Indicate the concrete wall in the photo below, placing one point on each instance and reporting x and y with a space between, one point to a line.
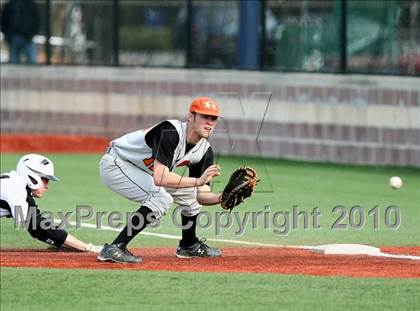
336 118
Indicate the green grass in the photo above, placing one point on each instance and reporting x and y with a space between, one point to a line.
118 290
288 184
284 184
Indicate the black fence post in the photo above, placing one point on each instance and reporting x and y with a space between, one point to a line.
262 34
343 36
115 34
188 34
47 32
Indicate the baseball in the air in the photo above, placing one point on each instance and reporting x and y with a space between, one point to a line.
395 182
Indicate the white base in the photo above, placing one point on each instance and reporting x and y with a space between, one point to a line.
347 249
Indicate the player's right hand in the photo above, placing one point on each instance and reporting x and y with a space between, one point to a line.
209 173
93 248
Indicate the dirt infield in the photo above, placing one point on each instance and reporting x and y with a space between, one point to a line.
53 143
252 260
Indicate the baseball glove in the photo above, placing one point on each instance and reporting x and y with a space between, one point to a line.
240 186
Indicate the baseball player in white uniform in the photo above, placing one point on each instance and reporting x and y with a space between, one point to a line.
140 167
18 189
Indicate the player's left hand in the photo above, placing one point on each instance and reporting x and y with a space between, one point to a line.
240 186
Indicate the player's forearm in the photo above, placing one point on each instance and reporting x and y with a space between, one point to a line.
75 243
206 197
173 180
163 177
